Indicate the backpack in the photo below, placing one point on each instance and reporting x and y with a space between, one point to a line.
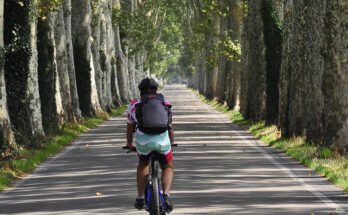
153 115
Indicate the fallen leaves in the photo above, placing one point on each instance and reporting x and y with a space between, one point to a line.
98 194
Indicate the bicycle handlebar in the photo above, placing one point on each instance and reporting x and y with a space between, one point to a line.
134 150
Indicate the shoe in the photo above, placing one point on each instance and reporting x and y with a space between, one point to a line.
168 206
139 203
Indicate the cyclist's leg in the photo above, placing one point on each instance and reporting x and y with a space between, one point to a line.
142 172
167 179
167 176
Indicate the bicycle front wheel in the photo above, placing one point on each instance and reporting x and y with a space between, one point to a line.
155 206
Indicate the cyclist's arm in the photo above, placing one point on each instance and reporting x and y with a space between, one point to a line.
171 136
130 129
170 131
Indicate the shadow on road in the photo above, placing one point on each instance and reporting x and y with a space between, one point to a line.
219 169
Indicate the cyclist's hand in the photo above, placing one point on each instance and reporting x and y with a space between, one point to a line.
131 146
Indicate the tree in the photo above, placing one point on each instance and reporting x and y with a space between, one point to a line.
234 29
6 133
21 73
62 66
253 68
273 41
70 61
50 93
83 58
121 55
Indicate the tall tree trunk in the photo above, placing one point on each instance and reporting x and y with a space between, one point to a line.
122 67
253 79
132 75
286 69
222 73
140 66
115 90
83 58
293 115
98 57
122 63
234 27
273 42
335 81
106 52
70 61
62 66
313 63
21 71
6 133
52 108
210 59
201 71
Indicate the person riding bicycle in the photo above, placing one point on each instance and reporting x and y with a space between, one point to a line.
146 142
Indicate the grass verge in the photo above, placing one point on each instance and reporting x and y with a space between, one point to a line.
13 169
327 163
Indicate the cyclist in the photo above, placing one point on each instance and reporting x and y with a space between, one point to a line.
145 143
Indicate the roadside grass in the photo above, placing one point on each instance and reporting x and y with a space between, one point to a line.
15 168
326 162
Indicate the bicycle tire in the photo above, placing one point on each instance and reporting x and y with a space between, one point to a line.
155 207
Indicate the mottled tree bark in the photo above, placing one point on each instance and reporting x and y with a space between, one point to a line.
122 69
52 108
222 73
335 84
210 64
70 61
62 67
140 66
286 70
253 73
132 76
273 41
234 27
313 61
201 70
85 73
6 133
21 72
98 57
298 66
122 64
107 51
115 90
313 86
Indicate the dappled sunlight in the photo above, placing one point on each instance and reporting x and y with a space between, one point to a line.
220 168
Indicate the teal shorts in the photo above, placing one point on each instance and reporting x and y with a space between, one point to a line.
146 143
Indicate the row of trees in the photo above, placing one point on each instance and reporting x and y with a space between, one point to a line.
280 61
62 60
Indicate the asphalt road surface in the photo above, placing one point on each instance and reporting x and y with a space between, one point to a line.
220 168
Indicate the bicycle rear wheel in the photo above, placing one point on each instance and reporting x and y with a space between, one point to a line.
155 201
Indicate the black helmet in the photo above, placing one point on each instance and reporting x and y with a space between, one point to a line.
148 84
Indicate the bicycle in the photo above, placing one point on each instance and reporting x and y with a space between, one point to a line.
154 200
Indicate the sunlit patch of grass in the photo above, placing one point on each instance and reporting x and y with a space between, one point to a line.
323 160
118 111
29 159
5 178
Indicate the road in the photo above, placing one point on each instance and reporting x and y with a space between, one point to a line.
220 168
